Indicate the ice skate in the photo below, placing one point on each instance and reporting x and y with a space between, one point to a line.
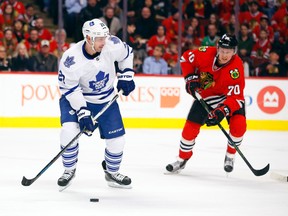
177 166
116 180
229 162
66 179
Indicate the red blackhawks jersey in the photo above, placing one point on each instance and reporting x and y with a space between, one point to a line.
223 84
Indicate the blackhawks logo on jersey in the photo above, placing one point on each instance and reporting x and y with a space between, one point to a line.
234 73
206 80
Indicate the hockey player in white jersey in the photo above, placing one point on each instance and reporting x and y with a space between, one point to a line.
86 76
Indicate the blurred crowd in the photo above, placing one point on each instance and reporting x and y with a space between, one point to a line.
26 44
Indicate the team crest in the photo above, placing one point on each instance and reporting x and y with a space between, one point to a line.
234 74
100 82
69 61
203 48
206 80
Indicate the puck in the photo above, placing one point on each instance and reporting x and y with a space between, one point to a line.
94 200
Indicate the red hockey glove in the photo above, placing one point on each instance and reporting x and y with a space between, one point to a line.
216 115
192 84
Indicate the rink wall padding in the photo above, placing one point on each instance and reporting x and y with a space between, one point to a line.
31 100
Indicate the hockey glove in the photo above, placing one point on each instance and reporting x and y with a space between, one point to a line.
216 115
192 84
86 121
125 81
126 86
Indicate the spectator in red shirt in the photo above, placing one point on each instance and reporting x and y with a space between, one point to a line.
159 38
264 24
44 33
59 44
32 42
252 17
261 49
17 5
171 25
8 16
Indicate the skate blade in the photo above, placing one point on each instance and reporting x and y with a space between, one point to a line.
116 185
172 173
62 188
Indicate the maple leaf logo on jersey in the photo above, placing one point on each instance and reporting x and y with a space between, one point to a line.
206 80
115 40
234 74
69 61
101 81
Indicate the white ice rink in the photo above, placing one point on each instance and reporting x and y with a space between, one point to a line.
202 189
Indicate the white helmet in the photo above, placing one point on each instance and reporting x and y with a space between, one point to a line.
95 28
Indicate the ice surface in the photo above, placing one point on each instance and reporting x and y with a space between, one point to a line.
202 188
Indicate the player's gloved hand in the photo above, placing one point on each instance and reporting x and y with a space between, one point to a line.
125 81
216 115
126 86
192 84
86 122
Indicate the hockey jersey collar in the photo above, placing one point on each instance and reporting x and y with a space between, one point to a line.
87 55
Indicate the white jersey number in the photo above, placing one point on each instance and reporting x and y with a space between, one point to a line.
234 90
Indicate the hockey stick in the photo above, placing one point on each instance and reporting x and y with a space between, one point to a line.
28 182
259 172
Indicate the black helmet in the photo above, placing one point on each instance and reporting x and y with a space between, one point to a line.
228 41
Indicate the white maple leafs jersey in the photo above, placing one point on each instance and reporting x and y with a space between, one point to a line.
83 77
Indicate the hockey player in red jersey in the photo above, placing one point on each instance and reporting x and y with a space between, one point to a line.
217 74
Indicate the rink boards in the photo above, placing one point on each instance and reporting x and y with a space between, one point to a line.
31 100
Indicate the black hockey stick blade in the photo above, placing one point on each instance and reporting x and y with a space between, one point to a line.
255 172
28 182
261 171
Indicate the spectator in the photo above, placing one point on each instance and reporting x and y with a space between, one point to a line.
146 25
72 10
91 11
214 19
18 30
198 30
112 22
159 38
156 64
32 42
18 6
59 44
200 9
279 22
21 60
212 38
245 44
261 49
117 11
264 24
271 68
189 41
9 42
28 17
44 33
253 16
5 63
44 61
8 16
161 9
171 25
171 57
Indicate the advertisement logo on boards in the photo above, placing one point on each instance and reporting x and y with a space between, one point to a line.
169 97
271 99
